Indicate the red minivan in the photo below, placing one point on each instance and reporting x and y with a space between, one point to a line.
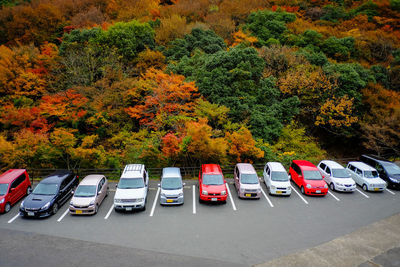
307 176
14 185
212 185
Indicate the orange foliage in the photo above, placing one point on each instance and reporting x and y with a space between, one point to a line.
170 145
241 37
242 146
150 59
337 113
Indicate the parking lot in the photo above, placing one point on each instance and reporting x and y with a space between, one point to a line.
240 231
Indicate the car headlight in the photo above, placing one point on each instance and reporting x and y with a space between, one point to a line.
181 194
117 200
394 180
325 186
163 195
71 204
308 186
242 190
2 201
140 199
223 193
45 207
258 190
204 192
339 184
273 187
91 203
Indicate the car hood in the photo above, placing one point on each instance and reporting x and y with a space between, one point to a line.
250 186
280 184
395 176
214 189
344 180
130 193
315 183
375 181
171 192
34 201
82 201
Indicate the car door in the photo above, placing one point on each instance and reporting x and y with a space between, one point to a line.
359 176
236 178
381 171
12 193
328 175
293 173
267 176
102 188
322 167
19 187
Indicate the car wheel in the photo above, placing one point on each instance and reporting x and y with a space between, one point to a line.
365 188
29 190
55 208
96 209
108 191
144 208
302 190
7 207
332 186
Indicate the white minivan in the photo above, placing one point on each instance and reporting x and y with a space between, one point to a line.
336 176
365 176
246 181
276 179
132 188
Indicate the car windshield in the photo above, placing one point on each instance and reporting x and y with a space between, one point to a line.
371 174
131 183
392 169
3 189
312 175
340 173
85 191
279 176
213 179
171 183
246 178
45 189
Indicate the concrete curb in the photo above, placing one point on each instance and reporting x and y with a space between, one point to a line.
350 250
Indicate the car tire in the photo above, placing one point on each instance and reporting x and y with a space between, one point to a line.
28 190
96 209
364 187
108 191
332 187
55 208
7 207
302 190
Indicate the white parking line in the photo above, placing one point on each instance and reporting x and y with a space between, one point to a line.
109 212
305 201
194 199
391 192
62 216
154 203
231 198
334 196
13 218
269 201
362 193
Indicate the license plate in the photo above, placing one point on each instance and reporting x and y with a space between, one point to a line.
376 189
170 200
31 214
214 199
279 192
318 191
78 212
128 209
248 195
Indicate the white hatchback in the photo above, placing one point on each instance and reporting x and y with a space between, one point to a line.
336 176
366 176
276 179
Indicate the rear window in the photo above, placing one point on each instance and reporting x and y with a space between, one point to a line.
3 189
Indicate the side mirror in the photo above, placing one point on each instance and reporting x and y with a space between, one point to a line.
12 189
184 184
98 193
224 182
72 192
159 185
323 176
116 186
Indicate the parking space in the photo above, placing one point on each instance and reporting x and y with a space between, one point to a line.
245 231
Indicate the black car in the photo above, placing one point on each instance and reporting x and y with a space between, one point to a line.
387 170
49 195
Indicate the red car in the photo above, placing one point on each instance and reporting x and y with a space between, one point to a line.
212 185
307 176
14 185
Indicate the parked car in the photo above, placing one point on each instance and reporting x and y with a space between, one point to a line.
89 195
212 185
387 170
246 181
50 194
307 176
132 188
336 176
365 176
171 187
276 179
14 185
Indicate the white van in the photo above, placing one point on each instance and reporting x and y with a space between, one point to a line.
171 187
246 181
336 176
365 176
276 179
132 188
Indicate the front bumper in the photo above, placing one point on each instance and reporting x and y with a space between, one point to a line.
35 213
166 200
316 191
211 198
249 194
344 188
129 206
376 189
281 191
82 211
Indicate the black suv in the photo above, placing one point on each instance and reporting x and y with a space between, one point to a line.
388 171
50 194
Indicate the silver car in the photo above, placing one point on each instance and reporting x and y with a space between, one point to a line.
171 187
89 195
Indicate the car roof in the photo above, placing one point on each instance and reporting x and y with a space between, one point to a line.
276 166
377 158
211 169
173 172
92 179
332 164
245 168
305 164
133 171
10 175
361 165
56 177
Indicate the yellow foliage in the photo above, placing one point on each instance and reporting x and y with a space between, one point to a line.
171 28
242 146
337 112
242 37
